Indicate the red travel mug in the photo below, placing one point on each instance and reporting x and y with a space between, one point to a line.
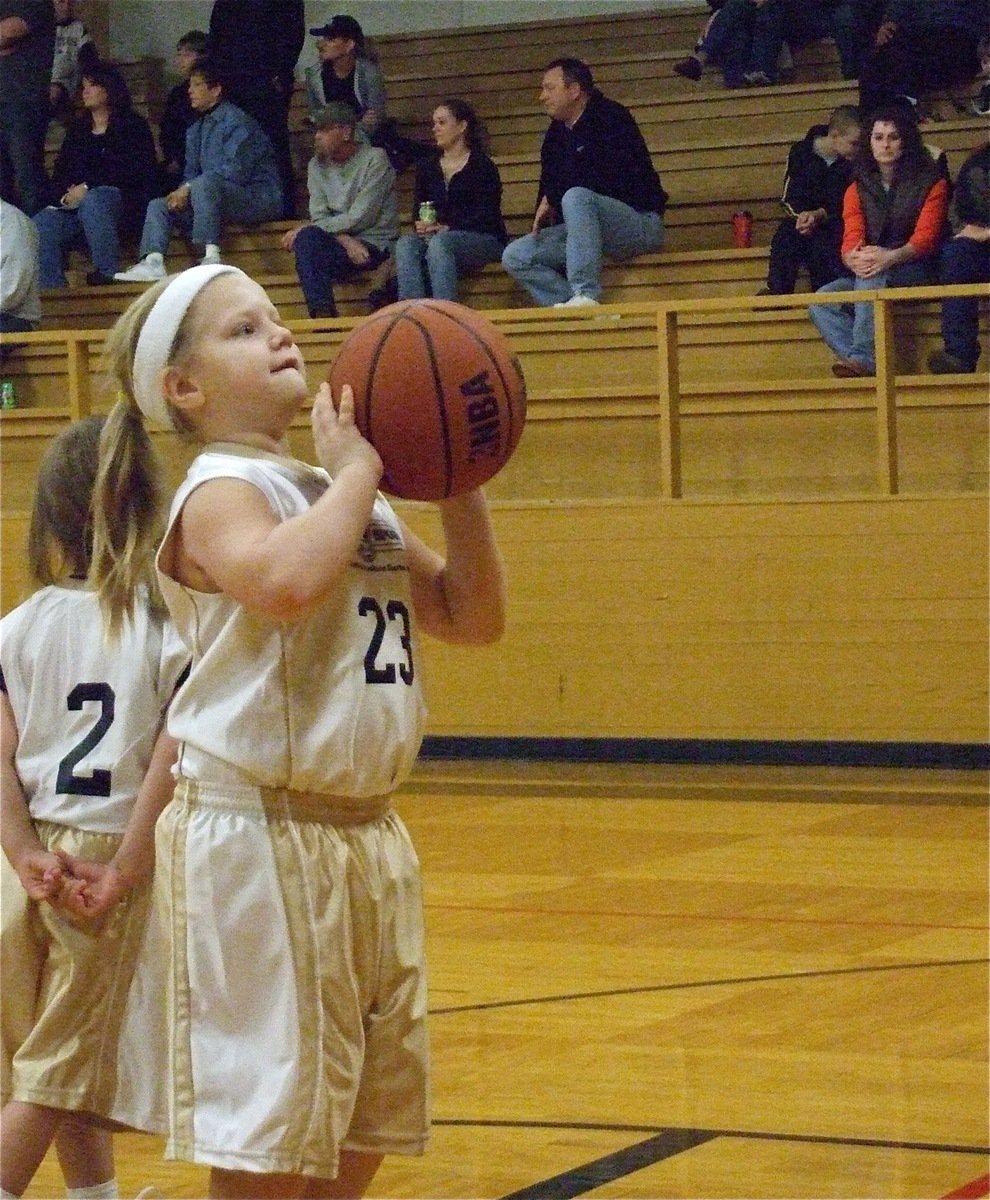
742 230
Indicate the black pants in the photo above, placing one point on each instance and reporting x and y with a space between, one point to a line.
818 251
915 61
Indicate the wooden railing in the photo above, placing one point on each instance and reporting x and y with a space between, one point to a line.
660 363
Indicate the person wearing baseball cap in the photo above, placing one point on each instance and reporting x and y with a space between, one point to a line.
346 74
353 209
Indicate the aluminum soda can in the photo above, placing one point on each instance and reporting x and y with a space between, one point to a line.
8 396
742 230
428 212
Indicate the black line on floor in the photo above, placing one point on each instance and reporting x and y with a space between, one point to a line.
667 1143
591 1175
705 983
753 1135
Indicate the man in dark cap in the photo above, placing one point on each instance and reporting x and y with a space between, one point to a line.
353 208
345 74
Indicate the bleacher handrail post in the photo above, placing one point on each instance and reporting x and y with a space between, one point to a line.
669 393
884 349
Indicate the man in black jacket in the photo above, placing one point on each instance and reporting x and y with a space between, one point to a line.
599 194
819 169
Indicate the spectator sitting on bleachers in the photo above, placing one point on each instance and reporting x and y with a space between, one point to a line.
179 113
20 302
818 172
463 185
922 46
353 208
74 51
230 175
599 194
894 221
796 23
104 175
965 258
347 73
727 42
255 45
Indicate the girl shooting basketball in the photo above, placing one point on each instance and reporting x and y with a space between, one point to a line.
85 773
290 886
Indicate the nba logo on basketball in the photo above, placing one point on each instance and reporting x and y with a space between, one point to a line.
482 415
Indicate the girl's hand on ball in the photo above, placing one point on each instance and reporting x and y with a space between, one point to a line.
337 439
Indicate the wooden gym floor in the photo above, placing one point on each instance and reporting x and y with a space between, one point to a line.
693 982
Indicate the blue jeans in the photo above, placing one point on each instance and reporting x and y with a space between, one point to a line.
321 261
729 40
565 260
96 222
963 260
213 201
848 328
431 266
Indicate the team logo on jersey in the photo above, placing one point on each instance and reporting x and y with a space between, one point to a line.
378 538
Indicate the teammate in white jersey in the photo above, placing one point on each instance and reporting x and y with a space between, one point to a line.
85 774
291 889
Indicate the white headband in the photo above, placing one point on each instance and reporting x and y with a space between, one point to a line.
157 337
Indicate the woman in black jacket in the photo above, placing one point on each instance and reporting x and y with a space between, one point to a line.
465 229
105 174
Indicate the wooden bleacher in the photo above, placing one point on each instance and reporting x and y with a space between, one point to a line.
683 426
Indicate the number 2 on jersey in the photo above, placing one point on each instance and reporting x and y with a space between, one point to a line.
97 782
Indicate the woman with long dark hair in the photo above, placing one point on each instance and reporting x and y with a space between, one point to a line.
893 216
465 229
105 174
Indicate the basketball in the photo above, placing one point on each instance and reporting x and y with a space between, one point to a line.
438 392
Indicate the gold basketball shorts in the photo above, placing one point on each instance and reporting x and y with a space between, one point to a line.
297 983
65 987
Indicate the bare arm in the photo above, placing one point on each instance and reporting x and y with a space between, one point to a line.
12 29
231 541
39 871
134 861
462 597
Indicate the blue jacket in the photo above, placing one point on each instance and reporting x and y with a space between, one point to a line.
227 142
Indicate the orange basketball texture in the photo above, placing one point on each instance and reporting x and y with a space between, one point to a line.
438 392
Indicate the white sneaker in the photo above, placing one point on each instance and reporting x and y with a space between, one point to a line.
211 257
578 301
150 268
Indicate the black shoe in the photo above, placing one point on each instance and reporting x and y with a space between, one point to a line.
97 279
941 362
323 312
690 68
380 297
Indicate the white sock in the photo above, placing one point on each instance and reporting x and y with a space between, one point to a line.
99 1191
154 258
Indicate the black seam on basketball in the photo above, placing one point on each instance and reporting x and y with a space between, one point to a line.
393 320
439 394
484 345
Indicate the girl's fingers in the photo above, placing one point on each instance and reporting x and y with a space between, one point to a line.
346 407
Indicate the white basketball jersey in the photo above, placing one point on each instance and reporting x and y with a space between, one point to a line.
330 704
88 711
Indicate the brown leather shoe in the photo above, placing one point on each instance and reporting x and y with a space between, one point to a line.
851 368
